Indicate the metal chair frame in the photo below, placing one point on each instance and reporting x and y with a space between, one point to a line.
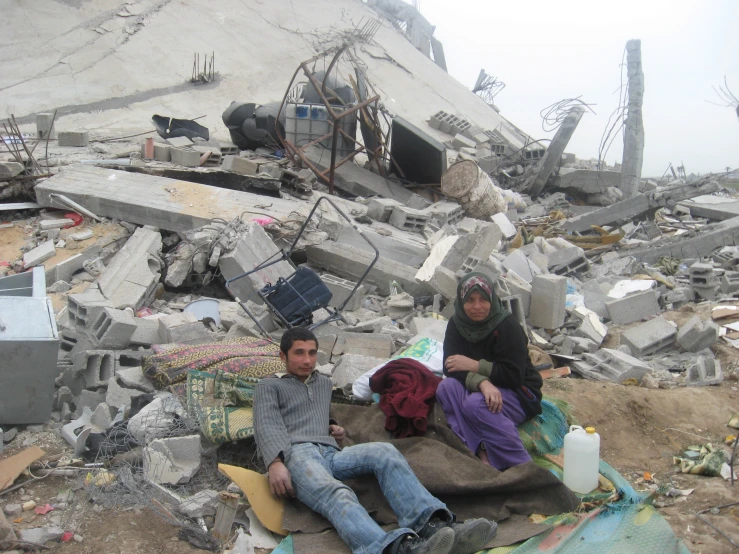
285 255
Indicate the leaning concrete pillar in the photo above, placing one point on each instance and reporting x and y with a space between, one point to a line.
634 124
553 156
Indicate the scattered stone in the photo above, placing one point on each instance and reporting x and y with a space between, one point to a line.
41 535
13 509
696 335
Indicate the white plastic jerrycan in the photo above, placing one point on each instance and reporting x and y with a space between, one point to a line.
582 457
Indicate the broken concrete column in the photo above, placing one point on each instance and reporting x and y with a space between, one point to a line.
553 156
254 247
633 155
548 295
610 364
131 277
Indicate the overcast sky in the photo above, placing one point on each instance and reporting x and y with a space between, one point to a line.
546 51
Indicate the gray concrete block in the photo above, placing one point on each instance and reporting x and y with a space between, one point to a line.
200 504
341 289
8 170
548 294
408 219
524 268
634 307
134 378
117 396
183 328
374 345
254 247
350 263
515 305
88 399
696 335
45 126
96 367
73 138
131 277
146 332
84 308
184 156
350 367
461 141
444 281
650 337
706 371
730 282
179 142
39 255
242 166
113 328
172 461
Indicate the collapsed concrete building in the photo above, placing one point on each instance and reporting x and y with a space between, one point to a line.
438 181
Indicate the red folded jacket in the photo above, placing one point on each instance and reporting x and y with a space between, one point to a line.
407 393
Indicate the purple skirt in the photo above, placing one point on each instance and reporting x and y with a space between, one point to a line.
474 423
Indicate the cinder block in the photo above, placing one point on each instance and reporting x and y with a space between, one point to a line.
634 307
73 138
548 293
363 344
96 366
340 291
39 255
650 337
113 328
228 148
696 335
703 281
460 141
706 371
44 126
85 307
437 118
445 282
408 219
242 166
444 213
611 364
184 156
730 282
515 305
182 328
214 157
727 257
146 332
131 277
179 142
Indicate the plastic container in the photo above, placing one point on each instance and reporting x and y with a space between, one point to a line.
205 308
582 458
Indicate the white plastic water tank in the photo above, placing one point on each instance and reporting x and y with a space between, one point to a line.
581 459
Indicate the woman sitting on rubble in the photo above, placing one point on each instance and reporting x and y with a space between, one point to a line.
491 384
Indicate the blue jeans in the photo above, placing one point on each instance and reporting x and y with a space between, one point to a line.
317 472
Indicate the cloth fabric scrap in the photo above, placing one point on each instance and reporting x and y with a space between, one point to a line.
408 392
709 462
545 433
222 404
246 357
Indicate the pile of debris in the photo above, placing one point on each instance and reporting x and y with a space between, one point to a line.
587 265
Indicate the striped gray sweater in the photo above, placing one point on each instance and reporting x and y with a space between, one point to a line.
288 412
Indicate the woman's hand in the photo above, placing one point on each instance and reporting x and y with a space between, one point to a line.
493 398
462 363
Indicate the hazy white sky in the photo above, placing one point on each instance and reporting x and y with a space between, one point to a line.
546 51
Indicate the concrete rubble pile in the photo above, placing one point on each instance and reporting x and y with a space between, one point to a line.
592 270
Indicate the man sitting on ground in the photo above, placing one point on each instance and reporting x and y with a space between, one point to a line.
300 446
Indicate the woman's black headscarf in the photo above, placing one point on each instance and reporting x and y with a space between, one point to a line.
475 331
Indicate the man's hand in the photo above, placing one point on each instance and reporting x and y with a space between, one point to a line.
462 363
337 433
493 398
280 482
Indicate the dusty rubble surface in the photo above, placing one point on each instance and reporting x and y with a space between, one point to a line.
627 285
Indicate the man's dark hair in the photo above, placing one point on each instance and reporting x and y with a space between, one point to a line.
296 333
